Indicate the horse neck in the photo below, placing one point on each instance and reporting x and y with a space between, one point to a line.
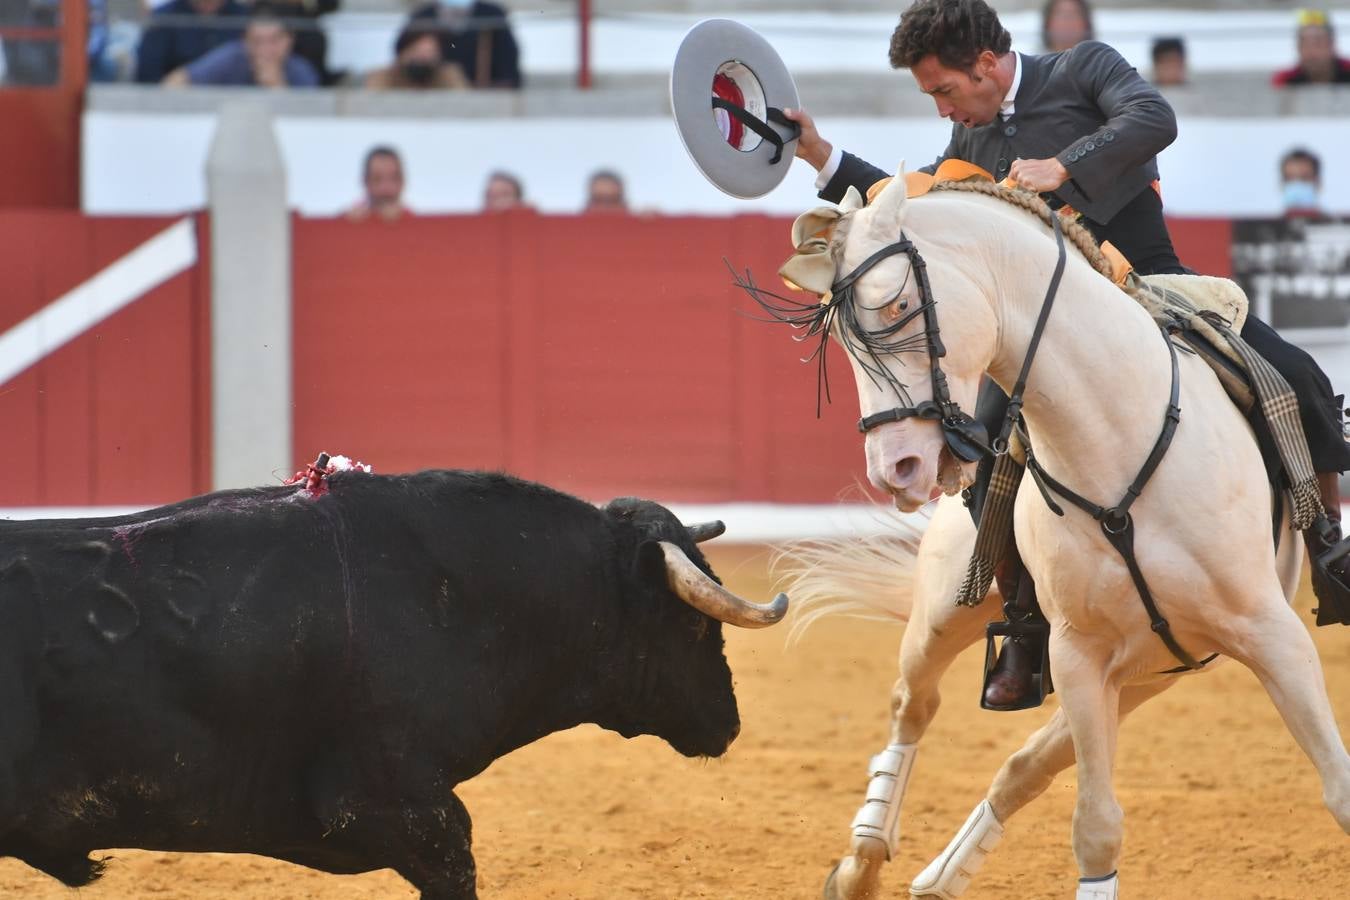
1099 383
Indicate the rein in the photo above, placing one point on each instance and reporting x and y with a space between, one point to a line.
969 441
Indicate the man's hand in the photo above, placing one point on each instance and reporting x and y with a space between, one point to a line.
1040 175
810 146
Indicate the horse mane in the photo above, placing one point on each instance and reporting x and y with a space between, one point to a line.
1077 234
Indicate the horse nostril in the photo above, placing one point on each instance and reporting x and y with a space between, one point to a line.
905 469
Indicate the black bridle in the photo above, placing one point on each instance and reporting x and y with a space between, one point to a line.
966 437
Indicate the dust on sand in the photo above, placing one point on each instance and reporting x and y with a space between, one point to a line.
1218 799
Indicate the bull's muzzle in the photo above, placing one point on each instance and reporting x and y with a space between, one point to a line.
694 587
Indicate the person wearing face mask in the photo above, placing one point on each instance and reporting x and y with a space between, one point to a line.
417 64
477 37
1301 184
1083 129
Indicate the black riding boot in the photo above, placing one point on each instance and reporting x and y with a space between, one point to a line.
1329 554
1020 678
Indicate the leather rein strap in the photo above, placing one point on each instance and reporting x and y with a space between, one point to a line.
1117 523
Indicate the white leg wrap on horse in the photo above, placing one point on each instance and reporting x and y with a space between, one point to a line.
879 816
1105 888
949 875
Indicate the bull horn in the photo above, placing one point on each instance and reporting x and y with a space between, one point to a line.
707 596
705 531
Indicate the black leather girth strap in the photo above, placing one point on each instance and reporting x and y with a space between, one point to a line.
1117 523
773 114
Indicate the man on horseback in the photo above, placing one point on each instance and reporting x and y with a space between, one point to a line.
1083 129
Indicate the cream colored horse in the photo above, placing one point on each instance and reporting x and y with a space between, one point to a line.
1094 406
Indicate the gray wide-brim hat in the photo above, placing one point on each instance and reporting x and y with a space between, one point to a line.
735 131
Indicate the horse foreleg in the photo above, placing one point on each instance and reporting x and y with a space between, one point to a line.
1279 650
937 633
1024 777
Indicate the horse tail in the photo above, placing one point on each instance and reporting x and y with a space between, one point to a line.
867 577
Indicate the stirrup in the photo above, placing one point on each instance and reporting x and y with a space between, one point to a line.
1331 582
1034 635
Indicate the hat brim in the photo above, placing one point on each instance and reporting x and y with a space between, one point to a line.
708 48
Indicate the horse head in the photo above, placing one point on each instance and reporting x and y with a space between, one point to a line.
905 348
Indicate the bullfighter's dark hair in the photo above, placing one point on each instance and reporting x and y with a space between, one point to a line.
955 31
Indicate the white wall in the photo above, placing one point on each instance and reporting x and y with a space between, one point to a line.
154 163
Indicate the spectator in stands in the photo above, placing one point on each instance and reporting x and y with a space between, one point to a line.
1317 59
605 194
477 37
1169 61
418 64
382 178
1065 24
262 58
311 44
503 191
1301 184
182 31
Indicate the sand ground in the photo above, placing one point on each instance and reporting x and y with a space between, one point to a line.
1219 801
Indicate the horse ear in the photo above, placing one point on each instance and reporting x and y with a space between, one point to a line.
888 207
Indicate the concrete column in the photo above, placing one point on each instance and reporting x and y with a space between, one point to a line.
250 300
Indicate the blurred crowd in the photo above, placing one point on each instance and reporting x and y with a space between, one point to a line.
268 43
383 182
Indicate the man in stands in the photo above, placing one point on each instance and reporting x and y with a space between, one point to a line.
418 64
503 191
605 193
1317 59
382 178
1301 184
477 37
262 58
181 31
1082 128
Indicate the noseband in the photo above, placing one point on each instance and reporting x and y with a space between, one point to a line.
966 437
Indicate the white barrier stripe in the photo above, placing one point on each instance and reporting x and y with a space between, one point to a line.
168 253
747 523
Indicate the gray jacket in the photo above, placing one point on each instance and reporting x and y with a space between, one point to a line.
1087 107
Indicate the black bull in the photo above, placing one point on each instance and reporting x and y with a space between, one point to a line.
308 677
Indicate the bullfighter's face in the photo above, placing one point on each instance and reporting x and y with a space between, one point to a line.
968 98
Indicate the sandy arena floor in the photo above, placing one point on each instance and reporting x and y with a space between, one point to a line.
1219 801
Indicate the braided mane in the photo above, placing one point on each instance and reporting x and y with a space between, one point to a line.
1076 233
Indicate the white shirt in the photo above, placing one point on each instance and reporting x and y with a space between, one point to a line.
1005 109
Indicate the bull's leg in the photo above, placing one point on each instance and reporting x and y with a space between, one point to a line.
407 819
1278 649
937 633
1024 777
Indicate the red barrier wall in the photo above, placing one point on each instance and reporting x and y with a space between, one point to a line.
602 355
116 415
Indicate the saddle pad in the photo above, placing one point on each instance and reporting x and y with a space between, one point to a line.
1207 293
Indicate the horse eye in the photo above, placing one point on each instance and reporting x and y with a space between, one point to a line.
892 310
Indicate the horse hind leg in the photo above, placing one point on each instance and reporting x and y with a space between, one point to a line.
935 636
1023 777
1280 652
